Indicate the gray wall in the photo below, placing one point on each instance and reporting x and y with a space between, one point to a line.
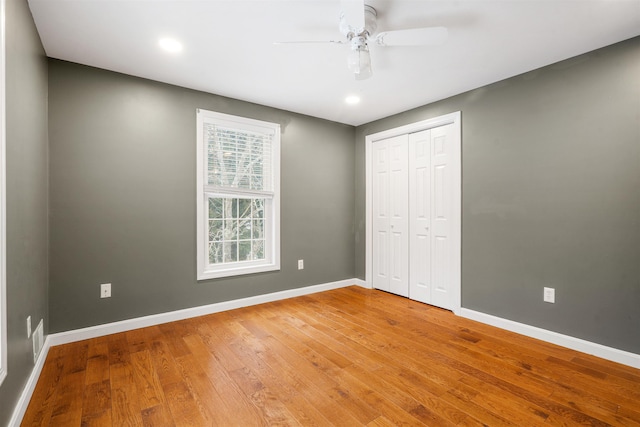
551 172
122 198
27 233
551 195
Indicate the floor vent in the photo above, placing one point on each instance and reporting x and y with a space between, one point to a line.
38 340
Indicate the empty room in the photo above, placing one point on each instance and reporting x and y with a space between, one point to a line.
322 212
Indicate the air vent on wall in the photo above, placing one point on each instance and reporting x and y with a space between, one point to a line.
38 340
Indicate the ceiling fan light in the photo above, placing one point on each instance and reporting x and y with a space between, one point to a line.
364 74
359 62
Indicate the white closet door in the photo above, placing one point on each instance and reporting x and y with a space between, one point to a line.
399 221
420 216
430 187
414 211
412 205
390 215
381 208
442 248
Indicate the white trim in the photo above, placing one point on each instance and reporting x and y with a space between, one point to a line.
613 354
3 200
27 392
156 319
362 283
187 313
456 227
599 350
205 270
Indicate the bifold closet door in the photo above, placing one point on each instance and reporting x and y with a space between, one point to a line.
412 187
430 251
390 215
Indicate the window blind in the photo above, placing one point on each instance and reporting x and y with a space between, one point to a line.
239 159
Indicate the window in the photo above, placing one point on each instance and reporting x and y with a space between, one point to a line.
238 208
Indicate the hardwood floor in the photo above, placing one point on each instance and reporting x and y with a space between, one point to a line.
346 357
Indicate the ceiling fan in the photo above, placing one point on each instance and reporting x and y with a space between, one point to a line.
358 24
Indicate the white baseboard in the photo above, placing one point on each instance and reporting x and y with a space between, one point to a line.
25 397
362 283
599 350
156 319
172 316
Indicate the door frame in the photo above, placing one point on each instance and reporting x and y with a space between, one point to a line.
3 199
456 197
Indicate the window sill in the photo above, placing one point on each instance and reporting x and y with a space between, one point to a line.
236 271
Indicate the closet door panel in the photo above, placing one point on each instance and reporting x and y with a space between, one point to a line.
399 222
381 207
420 216
390 216
441 250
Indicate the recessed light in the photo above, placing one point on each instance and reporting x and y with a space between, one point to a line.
170 45
352 99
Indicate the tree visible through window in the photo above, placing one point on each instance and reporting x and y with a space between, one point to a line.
236 229
238 186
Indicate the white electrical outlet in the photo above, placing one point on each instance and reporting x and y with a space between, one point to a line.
549 295
300 264
29 327
105 290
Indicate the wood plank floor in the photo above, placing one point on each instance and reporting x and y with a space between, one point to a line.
346 357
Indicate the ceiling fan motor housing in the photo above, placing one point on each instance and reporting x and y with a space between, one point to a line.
370 20
370 25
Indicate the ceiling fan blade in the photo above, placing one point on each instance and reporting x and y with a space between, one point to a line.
429 36
312 42
352 16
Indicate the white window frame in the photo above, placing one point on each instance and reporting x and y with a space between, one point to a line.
272 225
3 198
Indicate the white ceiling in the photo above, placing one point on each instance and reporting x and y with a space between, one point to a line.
229 50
